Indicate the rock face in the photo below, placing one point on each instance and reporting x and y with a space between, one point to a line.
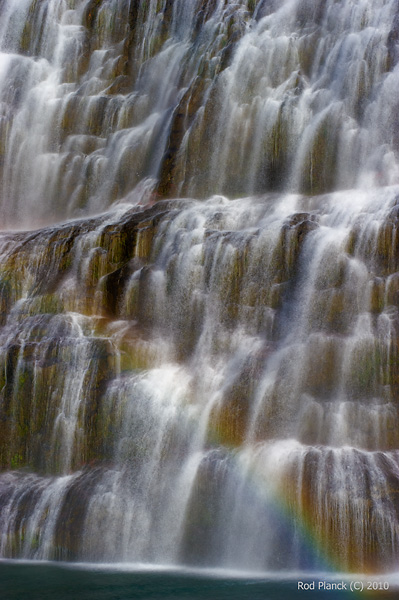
103 101
187 378
154 361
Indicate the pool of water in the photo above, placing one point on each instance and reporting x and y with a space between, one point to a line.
49 581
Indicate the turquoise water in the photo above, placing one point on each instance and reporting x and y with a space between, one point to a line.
46 581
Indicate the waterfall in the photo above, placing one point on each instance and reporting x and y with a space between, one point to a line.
199 292
109 101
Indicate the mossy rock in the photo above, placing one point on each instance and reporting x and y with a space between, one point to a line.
377 295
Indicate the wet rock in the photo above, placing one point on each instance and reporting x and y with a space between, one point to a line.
69 527
264 8
204 513
322 366
310 13
387 248
393 43
377 293
319 166
292 236
183 116
230 418
113 286
392 290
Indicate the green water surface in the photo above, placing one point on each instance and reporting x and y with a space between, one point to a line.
46 581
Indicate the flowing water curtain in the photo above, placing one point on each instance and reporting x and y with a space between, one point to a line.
103 101
101 81
202 382
198 402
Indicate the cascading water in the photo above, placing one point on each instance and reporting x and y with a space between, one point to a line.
210 382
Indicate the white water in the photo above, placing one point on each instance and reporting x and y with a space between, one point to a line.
235 390
98 104
252 402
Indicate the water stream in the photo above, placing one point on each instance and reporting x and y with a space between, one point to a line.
199 291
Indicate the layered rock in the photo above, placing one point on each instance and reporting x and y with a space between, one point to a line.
109 101
191 360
